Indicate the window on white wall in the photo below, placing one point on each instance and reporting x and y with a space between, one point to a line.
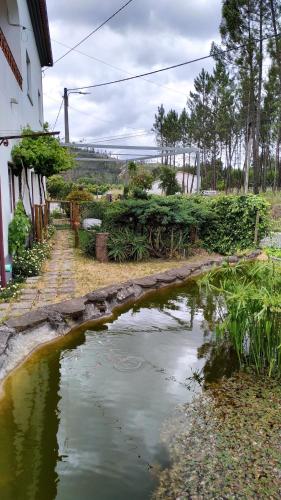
40 108
28 77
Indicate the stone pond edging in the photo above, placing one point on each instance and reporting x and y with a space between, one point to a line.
48 323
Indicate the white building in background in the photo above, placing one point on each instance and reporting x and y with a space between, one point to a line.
25 48
190 183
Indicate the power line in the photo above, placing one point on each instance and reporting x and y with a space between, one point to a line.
94 31
167 68
116 67
58 115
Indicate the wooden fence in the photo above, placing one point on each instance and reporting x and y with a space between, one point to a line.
42 216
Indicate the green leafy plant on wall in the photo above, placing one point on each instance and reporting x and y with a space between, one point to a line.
19 230
44 154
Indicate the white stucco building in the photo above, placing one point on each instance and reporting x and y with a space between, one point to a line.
190 183
25 48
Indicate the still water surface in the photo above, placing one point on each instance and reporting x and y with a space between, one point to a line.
82 420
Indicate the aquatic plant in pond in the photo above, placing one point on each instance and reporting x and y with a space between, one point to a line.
250 303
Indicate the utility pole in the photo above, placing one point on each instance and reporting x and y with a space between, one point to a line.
66 118
66 93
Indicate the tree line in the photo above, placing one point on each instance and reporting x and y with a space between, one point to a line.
233 115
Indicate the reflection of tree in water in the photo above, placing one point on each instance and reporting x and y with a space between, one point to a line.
221 360
29 450
29 422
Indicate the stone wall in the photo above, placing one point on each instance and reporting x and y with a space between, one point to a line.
50 322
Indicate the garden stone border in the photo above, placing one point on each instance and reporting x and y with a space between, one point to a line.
63 318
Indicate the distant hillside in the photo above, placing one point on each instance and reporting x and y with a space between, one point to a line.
102 172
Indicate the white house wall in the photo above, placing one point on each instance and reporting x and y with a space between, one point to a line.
156 189
17 109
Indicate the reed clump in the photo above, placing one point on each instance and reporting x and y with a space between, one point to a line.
248 299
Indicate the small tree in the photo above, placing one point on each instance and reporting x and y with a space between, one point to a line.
80 194
58 188
168 181
44 154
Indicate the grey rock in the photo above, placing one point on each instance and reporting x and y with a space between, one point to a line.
5 335
128 293
167 277
147 282
73 308
233 259
28 320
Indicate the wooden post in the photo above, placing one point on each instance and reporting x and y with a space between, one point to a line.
76 226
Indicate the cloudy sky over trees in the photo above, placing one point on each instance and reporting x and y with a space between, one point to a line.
147 35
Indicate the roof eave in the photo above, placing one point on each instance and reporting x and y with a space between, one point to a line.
40 24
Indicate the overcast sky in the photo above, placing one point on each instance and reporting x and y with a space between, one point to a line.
147 35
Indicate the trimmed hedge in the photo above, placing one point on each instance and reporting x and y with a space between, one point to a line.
171 224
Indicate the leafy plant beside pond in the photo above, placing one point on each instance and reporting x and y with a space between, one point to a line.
250 313
126 245
273 252
172 224
19 230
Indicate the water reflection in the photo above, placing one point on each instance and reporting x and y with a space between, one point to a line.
83 421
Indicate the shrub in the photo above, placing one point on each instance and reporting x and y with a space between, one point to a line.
11 291
170 225
58 188
168 181
19 230
126 245
87 242
93 209
80 194
29 262
233 224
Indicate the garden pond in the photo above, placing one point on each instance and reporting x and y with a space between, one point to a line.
83 418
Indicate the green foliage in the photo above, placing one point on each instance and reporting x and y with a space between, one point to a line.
273 252
19 230
87 242
252 321
11 291
80 194
168 181
223 224
233 225
93 209
29 262
125 245
58 188
44 154
167 223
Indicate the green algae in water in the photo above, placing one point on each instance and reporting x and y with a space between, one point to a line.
226 444
83 419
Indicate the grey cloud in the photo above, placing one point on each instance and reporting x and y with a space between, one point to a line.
191 18
148 34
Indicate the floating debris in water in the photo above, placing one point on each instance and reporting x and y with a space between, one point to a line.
226 444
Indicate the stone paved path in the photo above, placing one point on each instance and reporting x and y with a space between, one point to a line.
56 283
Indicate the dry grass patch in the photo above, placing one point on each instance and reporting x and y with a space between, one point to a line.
90 274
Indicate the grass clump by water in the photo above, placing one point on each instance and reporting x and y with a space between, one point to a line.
249 301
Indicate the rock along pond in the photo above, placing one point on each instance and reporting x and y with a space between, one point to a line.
83 418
